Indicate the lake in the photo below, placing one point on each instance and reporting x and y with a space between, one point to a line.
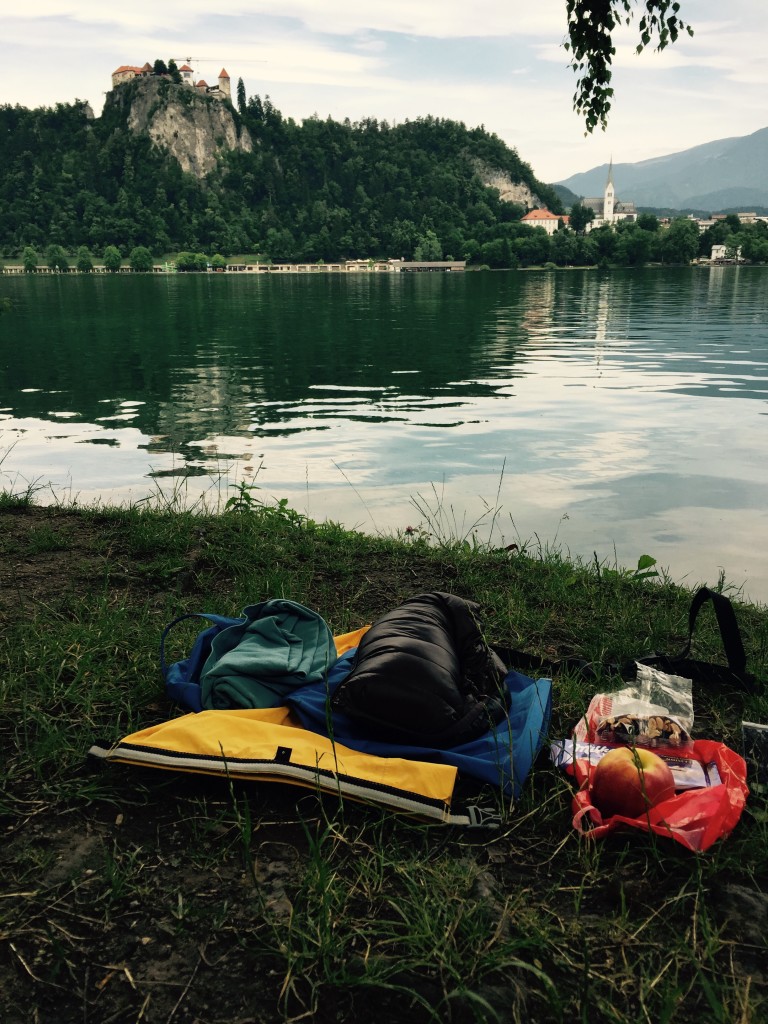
621 413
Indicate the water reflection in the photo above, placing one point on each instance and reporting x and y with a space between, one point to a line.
596 396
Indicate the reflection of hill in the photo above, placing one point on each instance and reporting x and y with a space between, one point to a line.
217 356
185 360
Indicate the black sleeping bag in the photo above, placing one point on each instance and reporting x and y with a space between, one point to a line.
424 675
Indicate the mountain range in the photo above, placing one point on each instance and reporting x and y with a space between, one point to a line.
726 174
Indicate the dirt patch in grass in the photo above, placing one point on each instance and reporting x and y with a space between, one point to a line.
47 556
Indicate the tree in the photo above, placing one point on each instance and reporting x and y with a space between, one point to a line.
604 239
564 249
428 248
29 260
256 108
84 260
242 106
174 72
648 221
587 252
580 216
56 258
633 246
140 259
159 68
188 261
495 253
755 244
591 24
112 259
681 241
533 247
185 261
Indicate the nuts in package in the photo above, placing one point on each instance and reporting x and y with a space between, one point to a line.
655 712
644 730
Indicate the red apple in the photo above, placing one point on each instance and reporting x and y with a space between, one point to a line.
629 781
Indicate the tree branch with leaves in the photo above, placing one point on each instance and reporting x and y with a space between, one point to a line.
591 28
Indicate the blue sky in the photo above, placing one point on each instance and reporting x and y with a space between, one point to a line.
500 64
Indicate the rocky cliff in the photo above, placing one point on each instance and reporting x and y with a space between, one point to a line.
194 129
509 191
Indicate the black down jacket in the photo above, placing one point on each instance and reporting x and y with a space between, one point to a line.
423 675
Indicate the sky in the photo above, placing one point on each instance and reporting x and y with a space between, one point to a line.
497 63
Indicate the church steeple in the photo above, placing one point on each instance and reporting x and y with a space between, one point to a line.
609 198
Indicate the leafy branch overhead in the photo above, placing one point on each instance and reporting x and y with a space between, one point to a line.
591 26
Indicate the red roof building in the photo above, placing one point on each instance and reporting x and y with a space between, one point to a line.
125 73
542 219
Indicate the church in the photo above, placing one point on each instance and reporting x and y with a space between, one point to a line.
608 209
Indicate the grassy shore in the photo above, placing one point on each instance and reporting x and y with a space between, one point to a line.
131 895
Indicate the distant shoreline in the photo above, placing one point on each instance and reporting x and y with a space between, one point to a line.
342 270
265 269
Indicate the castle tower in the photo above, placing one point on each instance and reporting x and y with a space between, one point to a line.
609 198
224 83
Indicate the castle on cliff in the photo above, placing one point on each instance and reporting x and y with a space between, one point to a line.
222 91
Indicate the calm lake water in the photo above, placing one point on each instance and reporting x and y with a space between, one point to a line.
620 413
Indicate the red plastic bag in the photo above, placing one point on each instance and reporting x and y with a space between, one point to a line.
695 818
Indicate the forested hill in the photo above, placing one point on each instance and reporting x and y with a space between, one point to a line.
316 190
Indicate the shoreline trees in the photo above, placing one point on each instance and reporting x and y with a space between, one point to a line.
321 190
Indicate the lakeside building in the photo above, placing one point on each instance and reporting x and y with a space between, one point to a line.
348 267
221 91
703 223
608 209
542 219
726 254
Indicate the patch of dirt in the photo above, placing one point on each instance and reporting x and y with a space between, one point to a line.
45 556
116 919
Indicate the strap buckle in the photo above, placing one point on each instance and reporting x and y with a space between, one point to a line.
483 817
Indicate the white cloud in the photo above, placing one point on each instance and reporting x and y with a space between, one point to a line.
494 62
435 18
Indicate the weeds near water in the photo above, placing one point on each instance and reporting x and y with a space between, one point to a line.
243 500
644 570
244 503
449 529
21 492
358 495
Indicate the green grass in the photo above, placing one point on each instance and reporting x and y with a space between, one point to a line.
138 895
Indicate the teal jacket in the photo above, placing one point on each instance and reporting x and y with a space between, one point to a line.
278 646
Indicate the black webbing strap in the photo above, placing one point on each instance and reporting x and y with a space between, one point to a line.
551 667
706 672
699 671
729 628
